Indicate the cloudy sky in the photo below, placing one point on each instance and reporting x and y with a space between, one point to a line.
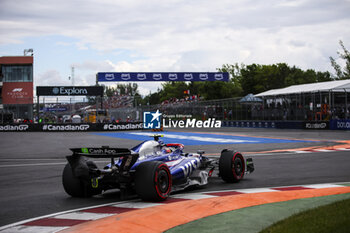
174 35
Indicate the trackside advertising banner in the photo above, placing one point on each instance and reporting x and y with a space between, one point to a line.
161 76
250 124
284 124
316 125
340 124
70 127
69 91
17 93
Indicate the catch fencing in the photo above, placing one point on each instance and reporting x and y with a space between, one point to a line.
297 107
125 108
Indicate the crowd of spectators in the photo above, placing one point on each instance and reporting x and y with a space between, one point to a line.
119 101
187 99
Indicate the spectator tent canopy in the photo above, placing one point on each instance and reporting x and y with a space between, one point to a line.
313 101
334 86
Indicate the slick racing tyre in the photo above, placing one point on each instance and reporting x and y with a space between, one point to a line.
231 166
153 181
75 186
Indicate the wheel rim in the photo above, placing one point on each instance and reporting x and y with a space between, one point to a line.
237 167
163 181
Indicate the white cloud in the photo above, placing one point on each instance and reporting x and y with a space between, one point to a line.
181 35
49 78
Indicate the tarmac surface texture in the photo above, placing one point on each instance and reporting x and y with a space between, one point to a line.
32 163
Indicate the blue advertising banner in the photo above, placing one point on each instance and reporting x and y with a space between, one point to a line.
61 109
250 124
161 76
340 124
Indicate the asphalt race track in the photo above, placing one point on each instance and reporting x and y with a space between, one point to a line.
31 163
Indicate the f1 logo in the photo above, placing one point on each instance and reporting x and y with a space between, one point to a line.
151 120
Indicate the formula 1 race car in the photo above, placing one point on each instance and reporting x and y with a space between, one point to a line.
152 169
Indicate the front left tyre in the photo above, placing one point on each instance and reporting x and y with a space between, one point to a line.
153 181
231 166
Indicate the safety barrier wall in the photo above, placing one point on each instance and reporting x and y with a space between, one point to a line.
290 125
249 124
281 124
70 127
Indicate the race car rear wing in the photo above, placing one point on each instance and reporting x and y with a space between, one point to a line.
80 167
101 152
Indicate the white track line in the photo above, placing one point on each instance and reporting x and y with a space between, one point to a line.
137 205
33 229
58 213
82 216
257 190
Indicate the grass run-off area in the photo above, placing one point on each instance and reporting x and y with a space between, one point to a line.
333 217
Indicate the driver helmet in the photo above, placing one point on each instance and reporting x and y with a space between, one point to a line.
166 150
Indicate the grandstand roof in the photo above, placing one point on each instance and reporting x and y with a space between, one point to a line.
337 86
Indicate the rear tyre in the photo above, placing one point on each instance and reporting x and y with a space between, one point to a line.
153 181
75 186
71 184
231 166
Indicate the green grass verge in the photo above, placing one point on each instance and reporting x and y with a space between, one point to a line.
256 218
334 217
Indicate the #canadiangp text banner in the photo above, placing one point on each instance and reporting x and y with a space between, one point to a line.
70 127
161 76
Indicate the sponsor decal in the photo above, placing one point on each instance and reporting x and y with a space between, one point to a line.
316 125
162 76
340 124
17 90
141 77
203 76
85 150
172 76
69 91
190 166
94 183
188 76
100 151
122 127
50 127
219 77
343 125
109 77
157 77
125 77
151 120
56 109
55 90
14 127
17 93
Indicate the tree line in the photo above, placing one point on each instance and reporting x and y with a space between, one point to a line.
244 79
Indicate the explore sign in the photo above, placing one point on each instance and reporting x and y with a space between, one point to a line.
69 91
